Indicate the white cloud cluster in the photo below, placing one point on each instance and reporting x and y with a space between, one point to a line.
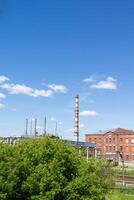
3 79
26 90
110 84
2 96
23 89
90 79
58 88
87 113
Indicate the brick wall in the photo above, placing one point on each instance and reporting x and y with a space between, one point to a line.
110 142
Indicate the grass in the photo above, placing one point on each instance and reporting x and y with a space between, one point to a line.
120 195
127 171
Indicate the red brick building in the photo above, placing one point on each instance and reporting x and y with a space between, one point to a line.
110 142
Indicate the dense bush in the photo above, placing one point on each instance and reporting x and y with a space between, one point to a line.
49 169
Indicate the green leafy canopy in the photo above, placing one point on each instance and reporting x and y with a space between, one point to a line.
49 169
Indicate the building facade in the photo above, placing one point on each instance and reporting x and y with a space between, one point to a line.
113 142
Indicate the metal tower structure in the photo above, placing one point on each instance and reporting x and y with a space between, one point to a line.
76 123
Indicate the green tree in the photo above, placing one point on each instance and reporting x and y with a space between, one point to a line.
49 169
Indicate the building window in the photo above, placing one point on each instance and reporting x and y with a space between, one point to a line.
106 140
106 148
132 148
121 139
132 140
133 157
121 148
127 140
110 139
110 148
127 149
114 148
127 157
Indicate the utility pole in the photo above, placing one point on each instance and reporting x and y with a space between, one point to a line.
123 167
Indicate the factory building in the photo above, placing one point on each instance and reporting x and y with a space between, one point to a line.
114 142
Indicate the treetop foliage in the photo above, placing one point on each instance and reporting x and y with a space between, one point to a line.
49 169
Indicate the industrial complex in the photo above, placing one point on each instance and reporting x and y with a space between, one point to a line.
115 145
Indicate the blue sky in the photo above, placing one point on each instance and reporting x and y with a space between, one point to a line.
52 50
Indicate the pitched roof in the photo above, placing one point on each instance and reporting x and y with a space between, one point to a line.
116 131
124 131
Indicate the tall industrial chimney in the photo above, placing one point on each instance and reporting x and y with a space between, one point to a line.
76 124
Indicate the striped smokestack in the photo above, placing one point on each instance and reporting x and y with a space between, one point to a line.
76 124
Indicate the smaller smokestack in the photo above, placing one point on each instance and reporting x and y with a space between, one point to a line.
26 131
31 128
45 126
35 127
56 129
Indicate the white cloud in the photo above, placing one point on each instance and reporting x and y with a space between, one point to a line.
23 89
58 88
90 79
3 79
43 93
26 90
81 125
110 83
2 106
18 89
2 96
88 113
